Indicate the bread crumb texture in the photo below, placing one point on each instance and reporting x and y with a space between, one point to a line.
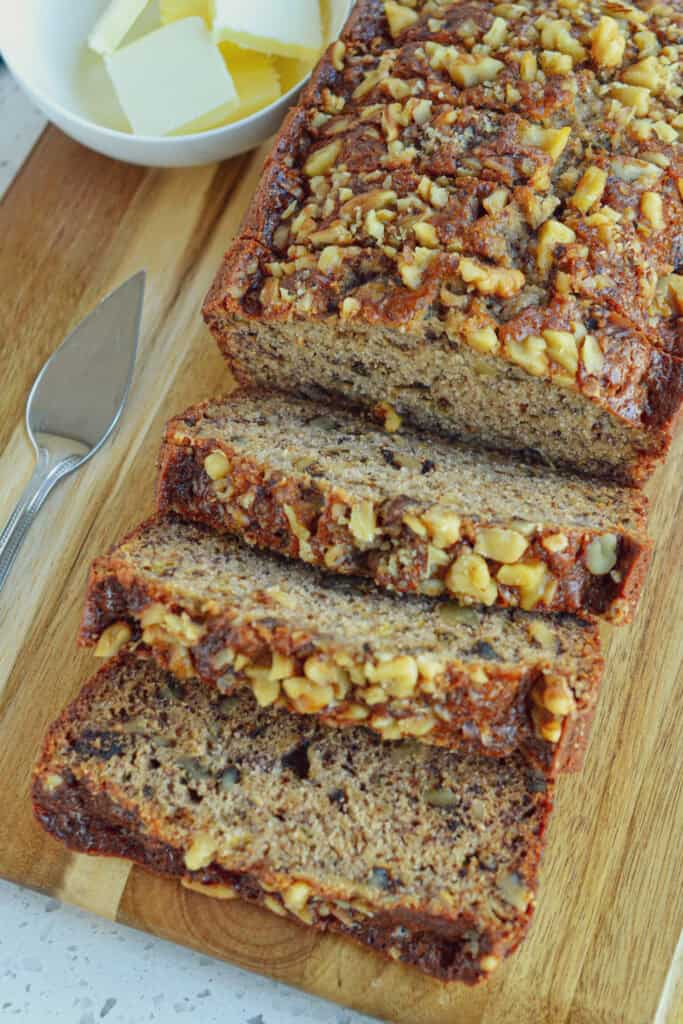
433 864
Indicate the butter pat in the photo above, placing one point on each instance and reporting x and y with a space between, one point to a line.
293 71
255 78
290 29
116 22
173 80
173 10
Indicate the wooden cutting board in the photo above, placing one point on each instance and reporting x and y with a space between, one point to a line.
605 946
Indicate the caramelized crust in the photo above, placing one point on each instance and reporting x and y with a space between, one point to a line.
494 190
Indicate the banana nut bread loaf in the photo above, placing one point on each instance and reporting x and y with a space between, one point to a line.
475 217
206 605
427 856
412 512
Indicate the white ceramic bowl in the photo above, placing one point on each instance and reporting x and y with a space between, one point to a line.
42 41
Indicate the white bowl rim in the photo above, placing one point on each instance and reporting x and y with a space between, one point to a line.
115 134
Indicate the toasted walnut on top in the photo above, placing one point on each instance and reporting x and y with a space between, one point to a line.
463 163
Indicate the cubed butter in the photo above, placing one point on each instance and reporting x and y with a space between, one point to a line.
173 80
255 78
114 24
291 29
174 10
292 71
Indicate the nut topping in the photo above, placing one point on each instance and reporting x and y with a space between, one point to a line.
530 354
216 465
589 189
113 639
491 280
399 674
501 545
469 579
266 691
296 896
555 542
400 17
552 234
529 577
321 160
591 355
307 697
601 554
483 339
467 70
443 526
52 782
652 209
217 892
608 43
201 852
561 347
362 522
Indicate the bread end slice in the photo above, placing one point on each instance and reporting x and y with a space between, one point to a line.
426 856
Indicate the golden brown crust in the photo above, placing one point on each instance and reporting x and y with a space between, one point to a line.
308 516
489 175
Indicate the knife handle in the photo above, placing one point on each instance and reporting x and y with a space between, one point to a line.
46 474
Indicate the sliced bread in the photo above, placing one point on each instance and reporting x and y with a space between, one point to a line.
424 855
207 605
410 511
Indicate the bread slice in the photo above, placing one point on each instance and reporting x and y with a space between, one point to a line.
426 856
206 605
463 219
412 512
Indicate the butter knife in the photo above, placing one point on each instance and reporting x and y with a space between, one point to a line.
75 403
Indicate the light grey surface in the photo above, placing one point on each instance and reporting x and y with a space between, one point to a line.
63 966
59 965
20 125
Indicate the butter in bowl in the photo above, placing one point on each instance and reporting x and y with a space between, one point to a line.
206 64
168 82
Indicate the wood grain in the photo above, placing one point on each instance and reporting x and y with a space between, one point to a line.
605 947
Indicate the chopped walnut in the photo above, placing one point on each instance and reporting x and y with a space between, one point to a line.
400 17
552 234
469 579
113 639
491 280
501 545
589 189
608 43
530 354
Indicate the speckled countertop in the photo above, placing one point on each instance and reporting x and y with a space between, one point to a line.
61 965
